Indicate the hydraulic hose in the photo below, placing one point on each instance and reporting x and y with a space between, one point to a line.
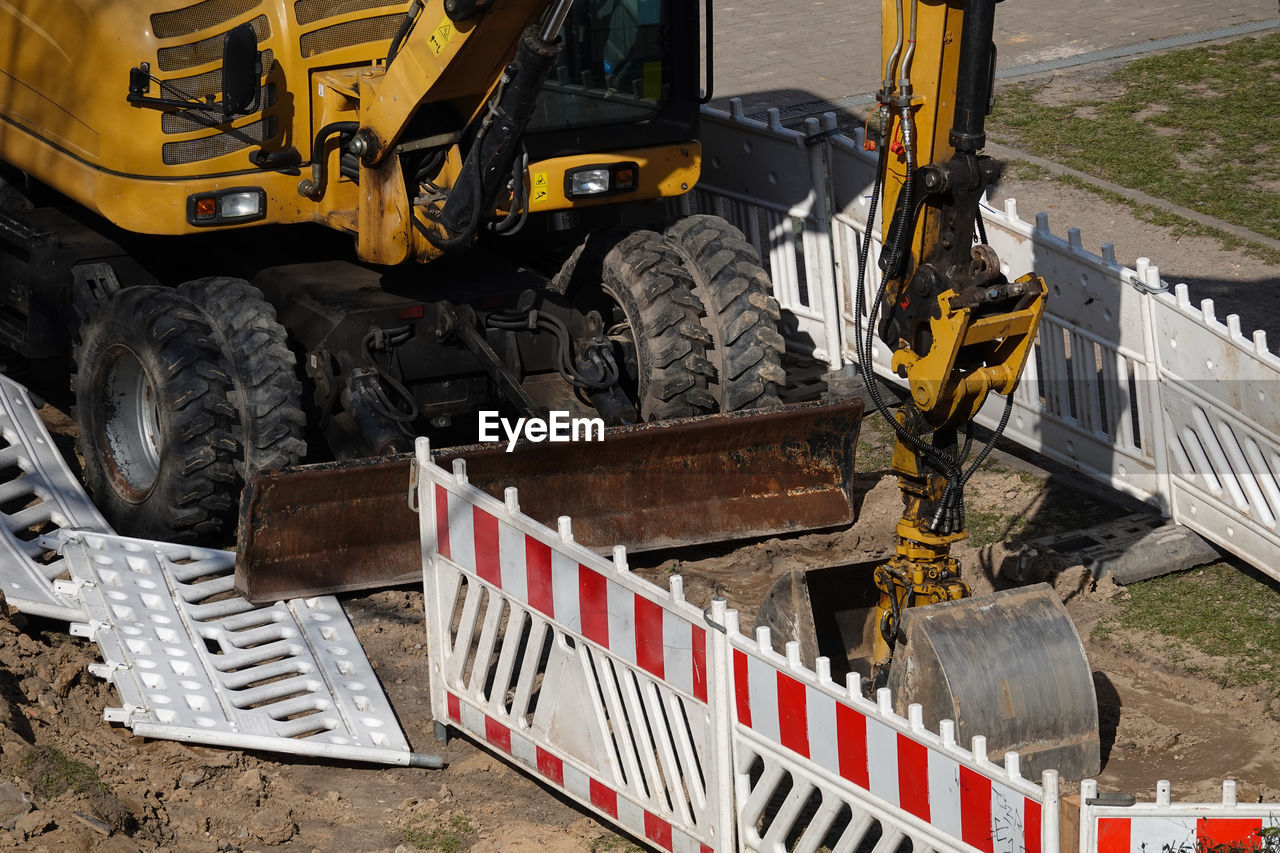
403 30
498 142
313 188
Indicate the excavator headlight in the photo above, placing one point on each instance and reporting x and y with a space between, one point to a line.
589 182
227 207
601 180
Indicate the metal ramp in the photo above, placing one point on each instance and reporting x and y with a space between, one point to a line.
191 660
38 496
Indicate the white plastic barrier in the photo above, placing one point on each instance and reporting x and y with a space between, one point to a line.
597 681
817 765
1168 827
1133 386
194 663
1221 403
191 661
38 495
622 695
759 177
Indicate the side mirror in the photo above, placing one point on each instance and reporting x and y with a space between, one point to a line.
241 71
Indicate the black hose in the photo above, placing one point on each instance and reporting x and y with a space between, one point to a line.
397 41
514 221
564 359
465 234
314 189
385 407
936 458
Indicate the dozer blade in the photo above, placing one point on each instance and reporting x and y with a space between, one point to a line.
343 526
1009 666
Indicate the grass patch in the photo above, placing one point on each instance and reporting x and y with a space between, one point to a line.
1178 225
1194 126
51 772
986 527
1024 170
1038 508
452 836
1218 620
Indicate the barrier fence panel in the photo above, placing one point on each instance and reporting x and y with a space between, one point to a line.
819 766
1168 827
1221 403
670 723
1106 392
597 681
193 662
38 494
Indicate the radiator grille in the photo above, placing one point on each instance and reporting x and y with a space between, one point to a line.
198 16
188 121
210 82
205 50
310 11
350 33
209 147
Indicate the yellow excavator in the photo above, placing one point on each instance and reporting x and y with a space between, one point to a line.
254 225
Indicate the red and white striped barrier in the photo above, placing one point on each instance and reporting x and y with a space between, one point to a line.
923 785
1168 827
595 680
590 601
672 725
598 795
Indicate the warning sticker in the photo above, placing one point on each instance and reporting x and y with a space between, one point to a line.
440 38
539 186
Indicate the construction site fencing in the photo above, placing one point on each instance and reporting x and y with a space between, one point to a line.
1129 382
817 765
665 720
1168 827
598 682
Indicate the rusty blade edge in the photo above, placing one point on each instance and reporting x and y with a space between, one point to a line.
343 526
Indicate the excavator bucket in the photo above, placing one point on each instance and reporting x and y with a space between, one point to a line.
1008 666
343 526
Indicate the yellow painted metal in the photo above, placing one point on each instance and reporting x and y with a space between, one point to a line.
971 353
934 68
138 166
75 131
664 172
948 397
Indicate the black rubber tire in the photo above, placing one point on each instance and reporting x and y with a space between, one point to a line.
644 275
156 427
267 391
740 314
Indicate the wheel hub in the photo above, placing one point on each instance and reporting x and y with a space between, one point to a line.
131 425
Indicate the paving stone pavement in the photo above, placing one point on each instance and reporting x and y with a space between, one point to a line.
784 52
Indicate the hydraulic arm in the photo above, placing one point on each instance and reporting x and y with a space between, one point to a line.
1008 666
957 327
